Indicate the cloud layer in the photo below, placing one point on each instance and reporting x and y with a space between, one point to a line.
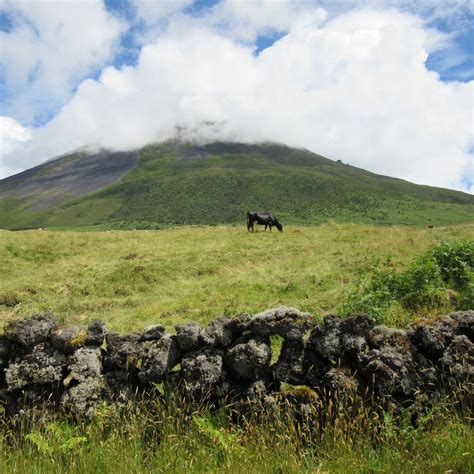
354 88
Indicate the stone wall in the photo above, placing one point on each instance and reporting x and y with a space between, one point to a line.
229 361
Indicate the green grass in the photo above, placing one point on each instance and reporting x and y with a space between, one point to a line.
134 278
299 186
153 438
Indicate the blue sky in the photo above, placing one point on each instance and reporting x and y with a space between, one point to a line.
62 60
455 63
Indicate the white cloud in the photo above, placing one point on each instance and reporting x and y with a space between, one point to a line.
150 11
355 88
247 20
50 47
12 134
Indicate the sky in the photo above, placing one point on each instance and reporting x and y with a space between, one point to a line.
385 85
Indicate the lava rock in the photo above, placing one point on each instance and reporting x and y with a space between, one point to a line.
125 352
325 339
85 380
396 372
153 333
355 330
238 324
249 357
254 396
43 365
340 383
314 367
30 331
96 333
188 336
218 333
289 367
201 372
85 364
162 356
465 323
458 361
382 337
432 337
83 399
289 323
67 338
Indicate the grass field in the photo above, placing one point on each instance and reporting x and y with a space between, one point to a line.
134 278
131 279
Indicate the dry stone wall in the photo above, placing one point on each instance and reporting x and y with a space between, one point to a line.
229 361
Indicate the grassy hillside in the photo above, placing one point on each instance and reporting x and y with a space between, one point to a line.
185 184
136 278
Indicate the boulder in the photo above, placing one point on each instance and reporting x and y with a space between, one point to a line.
30 331
188 336
289 367
289 323
325 340
202 371
162 356
465 323
432 337
153 333
67 338
249 357
125 352
394 370
458 361
96 333
85 380
43 365
218 333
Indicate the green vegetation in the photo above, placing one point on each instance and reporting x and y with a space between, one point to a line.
179 184
147 436
441 278
131 279
136 278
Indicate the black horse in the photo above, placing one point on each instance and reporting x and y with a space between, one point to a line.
263 218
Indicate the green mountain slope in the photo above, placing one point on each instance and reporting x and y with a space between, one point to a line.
176 183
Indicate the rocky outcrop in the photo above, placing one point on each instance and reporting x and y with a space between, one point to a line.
229 360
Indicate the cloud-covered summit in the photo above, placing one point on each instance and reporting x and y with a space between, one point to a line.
351 85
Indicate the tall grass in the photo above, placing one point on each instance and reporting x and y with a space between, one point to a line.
342 436
132 279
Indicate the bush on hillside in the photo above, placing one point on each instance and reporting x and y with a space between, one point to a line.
441 279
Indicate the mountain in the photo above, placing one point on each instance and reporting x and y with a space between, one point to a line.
181 183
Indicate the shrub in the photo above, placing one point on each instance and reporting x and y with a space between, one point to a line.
455 263
440 279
